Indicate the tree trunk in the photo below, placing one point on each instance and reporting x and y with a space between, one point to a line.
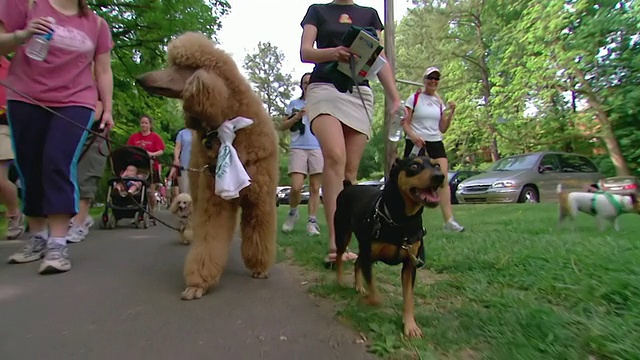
609 138
390 148
486 88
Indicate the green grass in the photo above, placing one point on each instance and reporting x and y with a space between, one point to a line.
512 286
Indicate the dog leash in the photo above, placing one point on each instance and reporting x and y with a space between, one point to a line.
95 133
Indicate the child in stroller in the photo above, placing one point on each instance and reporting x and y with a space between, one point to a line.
127 196
129 186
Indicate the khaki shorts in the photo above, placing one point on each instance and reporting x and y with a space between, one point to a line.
91 166
6 149
307 162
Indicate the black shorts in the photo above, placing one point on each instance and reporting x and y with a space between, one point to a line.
433 149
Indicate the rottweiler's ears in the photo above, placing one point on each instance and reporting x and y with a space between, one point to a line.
400 162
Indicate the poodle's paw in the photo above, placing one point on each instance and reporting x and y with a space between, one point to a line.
372 300
411 330
192 293
260 275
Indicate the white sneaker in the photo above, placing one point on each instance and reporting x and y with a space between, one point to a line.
79 233
33 251
313 229
290 221
453 226
56 260
15 226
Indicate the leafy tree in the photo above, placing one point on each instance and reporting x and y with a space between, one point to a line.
275 88
529 76
141 31
587 47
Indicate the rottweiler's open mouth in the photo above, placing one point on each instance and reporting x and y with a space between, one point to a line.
427 196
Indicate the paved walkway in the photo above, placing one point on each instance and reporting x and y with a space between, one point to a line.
121 300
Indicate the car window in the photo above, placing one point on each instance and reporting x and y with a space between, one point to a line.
549 163
520 162
575 163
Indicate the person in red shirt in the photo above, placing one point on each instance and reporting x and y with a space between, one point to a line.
8 190
149 140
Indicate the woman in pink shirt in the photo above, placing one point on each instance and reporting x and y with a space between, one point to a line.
47 145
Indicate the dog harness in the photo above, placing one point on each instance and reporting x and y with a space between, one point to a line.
402 235
613 201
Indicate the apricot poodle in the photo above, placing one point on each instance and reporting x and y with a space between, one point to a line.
181 207
214 91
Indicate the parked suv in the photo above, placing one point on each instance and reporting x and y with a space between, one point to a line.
530 177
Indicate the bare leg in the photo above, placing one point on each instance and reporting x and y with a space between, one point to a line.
445 191
329 132
297 182
8 190
315 182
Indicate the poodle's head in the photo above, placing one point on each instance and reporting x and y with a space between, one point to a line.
203 76
181 205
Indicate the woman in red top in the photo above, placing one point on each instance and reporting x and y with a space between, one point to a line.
147 139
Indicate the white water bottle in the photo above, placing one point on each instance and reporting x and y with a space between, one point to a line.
38 46
395 128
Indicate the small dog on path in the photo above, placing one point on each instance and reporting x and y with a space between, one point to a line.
181 207
604 206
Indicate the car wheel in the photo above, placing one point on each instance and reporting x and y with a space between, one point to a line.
529 195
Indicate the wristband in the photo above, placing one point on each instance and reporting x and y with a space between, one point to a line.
16 39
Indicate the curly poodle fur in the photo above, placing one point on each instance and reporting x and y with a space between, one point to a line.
213 91
181 207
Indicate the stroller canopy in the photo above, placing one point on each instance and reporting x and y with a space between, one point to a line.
131 155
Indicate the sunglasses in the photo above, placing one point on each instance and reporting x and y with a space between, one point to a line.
430 77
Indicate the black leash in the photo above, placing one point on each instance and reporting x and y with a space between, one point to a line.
103 136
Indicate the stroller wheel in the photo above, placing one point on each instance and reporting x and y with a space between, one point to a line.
145 220
104 220
112 222
108 221
136 220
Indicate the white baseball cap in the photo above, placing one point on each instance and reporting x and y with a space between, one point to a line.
430 70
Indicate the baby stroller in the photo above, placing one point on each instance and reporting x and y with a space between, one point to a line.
128 205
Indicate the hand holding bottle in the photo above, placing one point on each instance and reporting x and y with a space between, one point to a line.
37 26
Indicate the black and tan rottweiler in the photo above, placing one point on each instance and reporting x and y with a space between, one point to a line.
388 226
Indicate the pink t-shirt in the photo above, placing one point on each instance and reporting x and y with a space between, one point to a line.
65 77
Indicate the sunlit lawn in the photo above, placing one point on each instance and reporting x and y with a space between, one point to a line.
512 286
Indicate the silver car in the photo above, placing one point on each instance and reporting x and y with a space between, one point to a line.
530 177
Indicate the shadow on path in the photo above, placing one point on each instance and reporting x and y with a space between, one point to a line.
121 300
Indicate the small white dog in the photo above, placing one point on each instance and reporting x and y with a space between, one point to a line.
181 206
604 206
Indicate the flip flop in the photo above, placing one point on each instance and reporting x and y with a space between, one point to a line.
330 260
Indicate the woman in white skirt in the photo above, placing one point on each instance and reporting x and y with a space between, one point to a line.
339 120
